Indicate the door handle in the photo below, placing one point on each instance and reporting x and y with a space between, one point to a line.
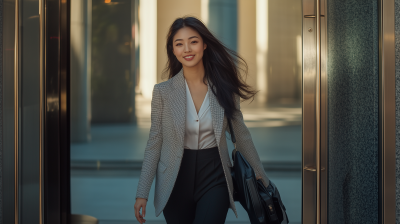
312 168
312 16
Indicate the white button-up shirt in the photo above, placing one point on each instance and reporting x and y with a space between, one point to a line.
199 133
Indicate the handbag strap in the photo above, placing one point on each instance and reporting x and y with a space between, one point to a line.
233 138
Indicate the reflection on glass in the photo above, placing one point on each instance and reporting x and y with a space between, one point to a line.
29 102
111 81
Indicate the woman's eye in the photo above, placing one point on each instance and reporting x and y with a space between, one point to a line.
178 44
194 42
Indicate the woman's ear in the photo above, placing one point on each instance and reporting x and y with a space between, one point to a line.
204 46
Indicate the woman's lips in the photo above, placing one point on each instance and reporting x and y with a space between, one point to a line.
189 57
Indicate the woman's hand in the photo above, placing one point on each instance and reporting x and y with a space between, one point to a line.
140 203
259 177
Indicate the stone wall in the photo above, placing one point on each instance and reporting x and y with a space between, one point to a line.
353 97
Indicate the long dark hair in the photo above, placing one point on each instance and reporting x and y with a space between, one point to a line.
223 66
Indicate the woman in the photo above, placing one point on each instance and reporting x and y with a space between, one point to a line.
187 150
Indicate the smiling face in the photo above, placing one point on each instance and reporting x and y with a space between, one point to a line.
188 47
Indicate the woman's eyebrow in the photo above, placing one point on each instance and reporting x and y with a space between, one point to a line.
188 38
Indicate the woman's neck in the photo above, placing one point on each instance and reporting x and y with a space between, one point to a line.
194 74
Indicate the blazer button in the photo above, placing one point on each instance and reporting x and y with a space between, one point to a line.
197 120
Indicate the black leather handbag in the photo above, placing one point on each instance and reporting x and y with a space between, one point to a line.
263 204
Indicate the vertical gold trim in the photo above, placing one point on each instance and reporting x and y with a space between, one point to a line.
324 116
387 113
41 109
16 113
318 110
310 122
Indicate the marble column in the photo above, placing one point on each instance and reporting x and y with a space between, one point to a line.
148 46
247 45
81 13
222 21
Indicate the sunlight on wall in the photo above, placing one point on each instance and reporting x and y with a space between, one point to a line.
148 46
204 11
135 31
262 48
299 50
167 12
246 40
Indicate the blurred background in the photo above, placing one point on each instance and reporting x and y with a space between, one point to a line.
118 54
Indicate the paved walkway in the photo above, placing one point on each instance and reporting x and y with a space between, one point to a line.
110 196
105 171
276 133
127 143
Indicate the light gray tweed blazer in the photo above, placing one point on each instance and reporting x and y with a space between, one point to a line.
165 146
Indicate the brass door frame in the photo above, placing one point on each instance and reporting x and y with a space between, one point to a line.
16 114
9 76
387 112
41 113
324 116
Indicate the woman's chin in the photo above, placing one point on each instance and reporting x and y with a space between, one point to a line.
190 64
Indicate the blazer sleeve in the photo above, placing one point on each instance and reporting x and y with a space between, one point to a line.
244 143
153 147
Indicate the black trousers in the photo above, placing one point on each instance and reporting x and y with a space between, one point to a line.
200 194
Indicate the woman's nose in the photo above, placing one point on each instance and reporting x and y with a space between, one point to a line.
187 48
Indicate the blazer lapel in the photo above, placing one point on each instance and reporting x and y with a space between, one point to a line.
177 98
217 114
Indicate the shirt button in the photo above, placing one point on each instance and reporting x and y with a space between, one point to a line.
197 120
